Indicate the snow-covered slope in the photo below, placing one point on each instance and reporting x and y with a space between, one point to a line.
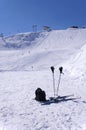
25 61
48 40
40 50
77 64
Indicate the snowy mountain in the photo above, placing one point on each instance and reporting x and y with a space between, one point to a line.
25 64
40 50
46 40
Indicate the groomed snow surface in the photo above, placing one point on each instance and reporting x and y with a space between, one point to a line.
25 65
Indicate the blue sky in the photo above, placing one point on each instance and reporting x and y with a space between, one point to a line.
19 15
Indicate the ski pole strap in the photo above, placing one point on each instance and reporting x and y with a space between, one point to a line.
52 69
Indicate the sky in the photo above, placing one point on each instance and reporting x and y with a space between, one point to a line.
18 16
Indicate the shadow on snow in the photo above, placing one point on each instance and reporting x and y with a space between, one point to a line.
59 99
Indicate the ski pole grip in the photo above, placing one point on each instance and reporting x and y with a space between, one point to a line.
52 69
61 69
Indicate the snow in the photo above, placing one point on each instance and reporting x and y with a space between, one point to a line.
76 65
25 65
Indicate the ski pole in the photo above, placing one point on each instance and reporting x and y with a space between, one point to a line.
60 69
52 69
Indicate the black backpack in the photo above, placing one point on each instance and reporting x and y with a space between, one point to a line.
40 95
